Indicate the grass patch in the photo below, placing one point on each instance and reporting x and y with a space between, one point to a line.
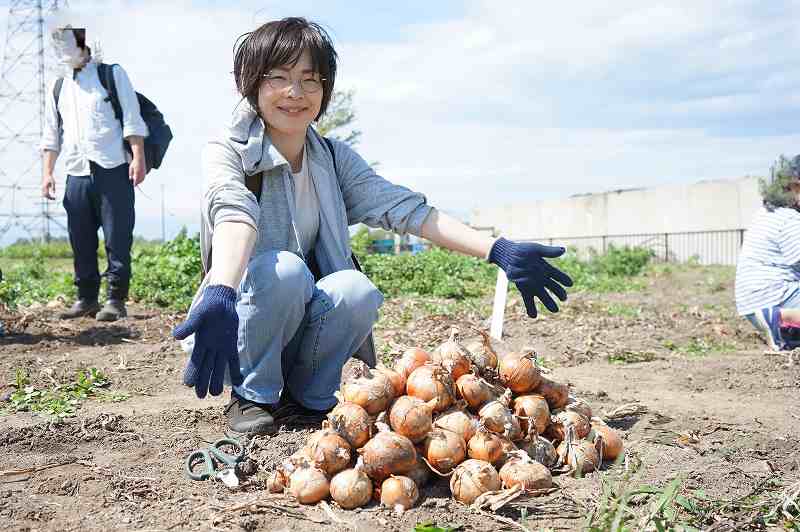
61 401
631 357
623 310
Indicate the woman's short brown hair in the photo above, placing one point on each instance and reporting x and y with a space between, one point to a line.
281 43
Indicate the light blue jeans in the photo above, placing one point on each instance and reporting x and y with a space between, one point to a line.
297 333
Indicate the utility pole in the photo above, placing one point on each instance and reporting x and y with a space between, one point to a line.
24 66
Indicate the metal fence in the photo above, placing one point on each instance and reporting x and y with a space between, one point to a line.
704 247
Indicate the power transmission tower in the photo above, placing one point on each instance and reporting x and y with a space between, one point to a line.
22 98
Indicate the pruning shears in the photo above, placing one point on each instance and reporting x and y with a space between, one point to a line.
217 463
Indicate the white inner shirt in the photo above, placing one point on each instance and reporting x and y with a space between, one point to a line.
306 207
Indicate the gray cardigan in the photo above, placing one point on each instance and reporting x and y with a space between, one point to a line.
348 194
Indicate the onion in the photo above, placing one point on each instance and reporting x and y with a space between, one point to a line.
411 417
298 460
533 412
412 359
486 446
473 478
351 488
399 493
420 474
352 422
451 356
582 456
556 393
387 453
540 450
519 372
475 390
509 450
458 421
526 473
578 405
276 481
397 379
612 442
564 419
309 485
482 354
444 450
372 391
496 417
432 381
329 451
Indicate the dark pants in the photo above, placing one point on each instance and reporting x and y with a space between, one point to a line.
105 198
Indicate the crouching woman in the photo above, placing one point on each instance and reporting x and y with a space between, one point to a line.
283 305
768 269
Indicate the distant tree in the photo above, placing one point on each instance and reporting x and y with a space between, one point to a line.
338 119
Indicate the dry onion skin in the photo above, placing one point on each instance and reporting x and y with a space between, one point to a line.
473 478
444 450
412 417
532 409
580 455
387 453
486 446
578 405
372 391
519 372
496 417
482 354
399 493
309 485
351 488
476 391
539 449
328 450
526 473
432 381
612 442
352 422
397 379
457 420
564 419
453 357
555 393
276 481
411 359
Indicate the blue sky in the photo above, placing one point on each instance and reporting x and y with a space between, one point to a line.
485 103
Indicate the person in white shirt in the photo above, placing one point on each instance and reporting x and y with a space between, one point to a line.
768 269
80 125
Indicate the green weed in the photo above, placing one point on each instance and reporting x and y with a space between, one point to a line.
623 310
59 402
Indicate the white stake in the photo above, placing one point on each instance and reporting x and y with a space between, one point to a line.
499 308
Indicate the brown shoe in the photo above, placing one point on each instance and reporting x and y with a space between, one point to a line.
113 310
82 307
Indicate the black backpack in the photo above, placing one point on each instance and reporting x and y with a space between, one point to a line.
159 134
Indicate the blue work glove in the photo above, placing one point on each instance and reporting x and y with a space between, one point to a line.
215 325
525 266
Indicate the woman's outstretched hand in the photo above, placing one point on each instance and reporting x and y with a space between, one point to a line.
525 266
215 325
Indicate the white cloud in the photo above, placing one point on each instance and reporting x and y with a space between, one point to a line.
505 101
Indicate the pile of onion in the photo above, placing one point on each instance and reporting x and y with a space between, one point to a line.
496 417
580 455
444 450
309 485
486 446
473 478
565 419
476 390
482 354
539 449
453 357
612 442
352 422
411 359
555 393
532 409
328 450
399 493
457 420
521 470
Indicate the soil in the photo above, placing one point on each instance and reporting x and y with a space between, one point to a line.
722 414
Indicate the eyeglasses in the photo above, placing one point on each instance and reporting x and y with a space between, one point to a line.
279 82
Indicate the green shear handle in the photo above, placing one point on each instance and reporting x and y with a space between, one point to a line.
208 455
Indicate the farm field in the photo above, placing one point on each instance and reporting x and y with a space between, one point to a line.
715 444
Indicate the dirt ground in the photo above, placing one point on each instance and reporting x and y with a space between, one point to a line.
721 415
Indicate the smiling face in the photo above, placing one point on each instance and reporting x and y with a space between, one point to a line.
286 107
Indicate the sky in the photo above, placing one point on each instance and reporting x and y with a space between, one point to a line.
486 103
